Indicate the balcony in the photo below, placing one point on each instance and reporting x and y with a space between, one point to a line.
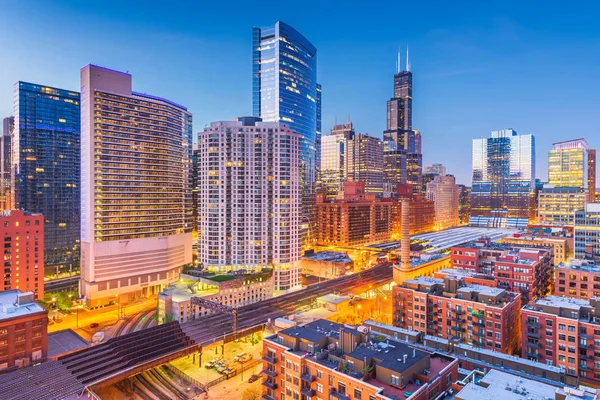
458 312
585 357
267 397
334 394
270 373
534 345
479 333
533 334
308 378
458 328
533 355
481 324
270 360
532 324
270 385
584 367
308 392
586 346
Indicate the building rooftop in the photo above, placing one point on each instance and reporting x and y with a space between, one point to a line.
333 298
64 342
580 265
15 303
561 302
393 355
463 273
497 385
485 290
331 256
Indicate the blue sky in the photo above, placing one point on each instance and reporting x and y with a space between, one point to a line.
478 66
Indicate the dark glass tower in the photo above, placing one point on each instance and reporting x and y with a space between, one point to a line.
319 136
46 154
5 163
284 89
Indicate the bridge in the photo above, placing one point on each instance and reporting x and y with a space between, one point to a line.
70 376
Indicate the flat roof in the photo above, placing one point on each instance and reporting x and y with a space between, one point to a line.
332 256
481 289
395 356
64 341
563 302
10 309
501 385
333 298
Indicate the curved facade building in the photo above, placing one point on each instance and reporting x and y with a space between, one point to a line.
284 80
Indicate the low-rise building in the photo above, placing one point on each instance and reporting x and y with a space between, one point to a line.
327 360
497 384
333 302
562 245
527 270
448 308
23 330
564 332
587 231
468 277
326 264
577 278
232 290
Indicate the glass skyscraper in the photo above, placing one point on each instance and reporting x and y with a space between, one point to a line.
503 187
285 89
45 158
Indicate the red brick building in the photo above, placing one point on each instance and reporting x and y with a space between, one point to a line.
323 360
578 278
525 269
564 332
422 211
23 236
479 315
23 330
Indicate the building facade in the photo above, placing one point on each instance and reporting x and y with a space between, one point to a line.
437 169
328 360
357 219
568 164
579 279
557 205
445 194
587 231
136 189
422 211
482 316
249 176
503 189
464 204
591 175
334 156
563 332
6 185
46 159
364 162
285 89
562 246
23 330
23 235
327 264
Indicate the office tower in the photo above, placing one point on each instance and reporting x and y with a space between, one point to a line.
445 193
464 204
284 89
403 160
587 231
250 204
46 158
437 169
591 175
319 133
568 164
6 163
355 219
195 192
136 194
560 331
333 160
365 162
502 194
557 205
23 235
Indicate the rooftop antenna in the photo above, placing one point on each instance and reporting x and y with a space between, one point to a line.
398 64
348 117
407 62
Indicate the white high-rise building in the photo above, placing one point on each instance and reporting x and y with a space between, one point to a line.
445 194
136 219
249 200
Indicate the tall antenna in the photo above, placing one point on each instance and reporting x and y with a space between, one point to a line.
407 61
398 65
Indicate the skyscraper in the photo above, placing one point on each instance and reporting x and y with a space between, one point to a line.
136 195
464 204
284 89
445 194
364 162
402 160
568 164
438 169
46 174
503 187
249 202
591 175
6 163
333 172
319 135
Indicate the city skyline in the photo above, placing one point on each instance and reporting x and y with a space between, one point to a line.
447 58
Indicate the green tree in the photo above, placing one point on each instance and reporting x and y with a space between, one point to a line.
252 393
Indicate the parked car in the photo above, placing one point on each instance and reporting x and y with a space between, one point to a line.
237 358
253 378
228 371
212 363
245 357
221 368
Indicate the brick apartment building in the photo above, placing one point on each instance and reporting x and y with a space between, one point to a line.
422 211
564 332
23 330
562 245
577 278
527 270
23 236
357 219
327 360
482 316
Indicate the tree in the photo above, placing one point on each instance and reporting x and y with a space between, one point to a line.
251 393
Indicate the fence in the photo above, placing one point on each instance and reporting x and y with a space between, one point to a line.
247 366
